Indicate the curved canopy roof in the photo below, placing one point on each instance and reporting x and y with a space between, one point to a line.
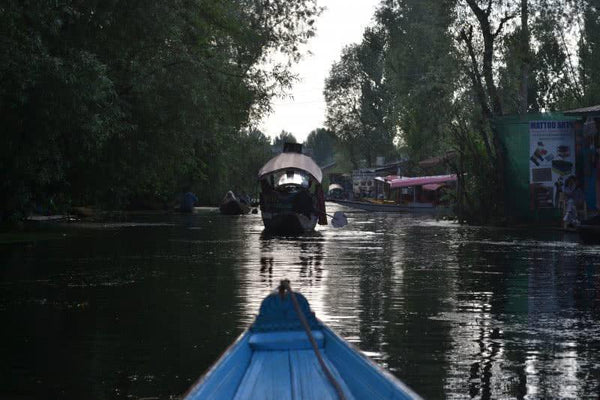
291 161
420 180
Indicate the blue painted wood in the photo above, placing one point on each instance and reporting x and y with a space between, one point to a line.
365 379
309 380
270 362
268 377
223 379
278 314
294 340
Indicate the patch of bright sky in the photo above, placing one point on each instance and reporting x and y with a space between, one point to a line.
341 23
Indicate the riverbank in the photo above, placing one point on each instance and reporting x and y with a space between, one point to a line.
35 228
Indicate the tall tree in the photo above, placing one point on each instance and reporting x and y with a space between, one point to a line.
421 72
356 100
283 138
524 89
322 142
145 92
589 53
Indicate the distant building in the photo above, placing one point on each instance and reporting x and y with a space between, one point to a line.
363 179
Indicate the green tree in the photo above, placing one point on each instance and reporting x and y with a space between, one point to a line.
421 72
589 54
356 100
113 101
283 138
250 152
322 144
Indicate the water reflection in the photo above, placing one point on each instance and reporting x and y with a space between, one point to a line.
519 336
141 309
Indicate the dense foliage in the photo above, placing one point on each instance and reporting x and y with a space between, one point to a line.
322 146
357 100
438 72
127 102
281 139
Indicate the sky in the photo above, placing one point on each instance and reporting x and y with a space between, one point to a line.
341 23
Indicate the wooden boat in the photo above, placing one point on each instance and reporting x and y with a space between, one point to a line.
291 197
383 206
287 353
232 205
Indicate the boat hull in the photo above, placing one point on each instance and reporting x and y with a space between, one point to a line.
274 359
234 207
394 208
288 222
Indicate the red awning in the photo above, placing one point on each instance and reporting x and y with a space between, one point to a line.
433 186
421 180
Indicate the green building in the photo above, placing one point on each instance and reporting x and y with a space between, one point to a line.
541 151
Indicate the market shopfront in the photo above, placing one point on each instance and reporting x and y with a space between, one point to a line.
542 152
588 152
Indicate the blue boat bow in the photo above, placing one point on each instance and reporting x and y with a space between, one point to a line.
276 359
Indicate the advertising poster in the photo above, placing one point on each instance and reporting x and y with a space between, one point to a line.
551 160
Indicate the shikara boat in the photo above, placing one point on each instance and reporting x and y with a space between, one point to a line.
287 353
232 205
291 196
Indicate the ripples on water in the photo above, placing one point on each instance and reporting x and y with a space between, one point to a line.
142 309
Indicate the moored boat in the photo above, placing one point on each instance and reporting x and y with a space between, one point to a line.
291 197
232 205
287 353
422 194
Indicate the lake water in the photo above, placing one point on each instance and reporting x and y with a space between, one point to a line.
139 310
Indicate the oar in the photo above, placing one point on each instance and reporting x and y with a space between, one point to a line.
338 219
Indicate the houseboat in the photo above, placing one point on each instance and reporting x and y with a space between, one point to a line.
404 194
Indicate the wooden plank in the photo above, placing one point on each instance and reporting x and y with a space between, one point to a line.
223 378
363 376
286 340
267 378
308 379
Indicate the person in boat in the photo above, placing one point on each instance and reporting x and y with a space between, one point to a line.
188 202
244 198
229 196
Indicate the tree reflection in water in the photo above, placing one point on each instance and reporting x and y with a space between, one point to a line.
142 309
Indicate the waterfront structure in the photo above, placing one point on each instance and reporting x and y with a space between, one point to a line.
541 151
401 193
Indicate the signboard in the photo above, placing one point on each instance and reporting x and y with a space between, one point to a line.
363 183
551 160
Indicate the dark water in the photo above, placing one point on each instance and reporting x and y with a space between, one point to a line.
140 310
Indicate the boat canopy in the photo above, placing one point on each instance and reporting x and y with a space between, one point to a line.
295 177
421 180
291 161
432 187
